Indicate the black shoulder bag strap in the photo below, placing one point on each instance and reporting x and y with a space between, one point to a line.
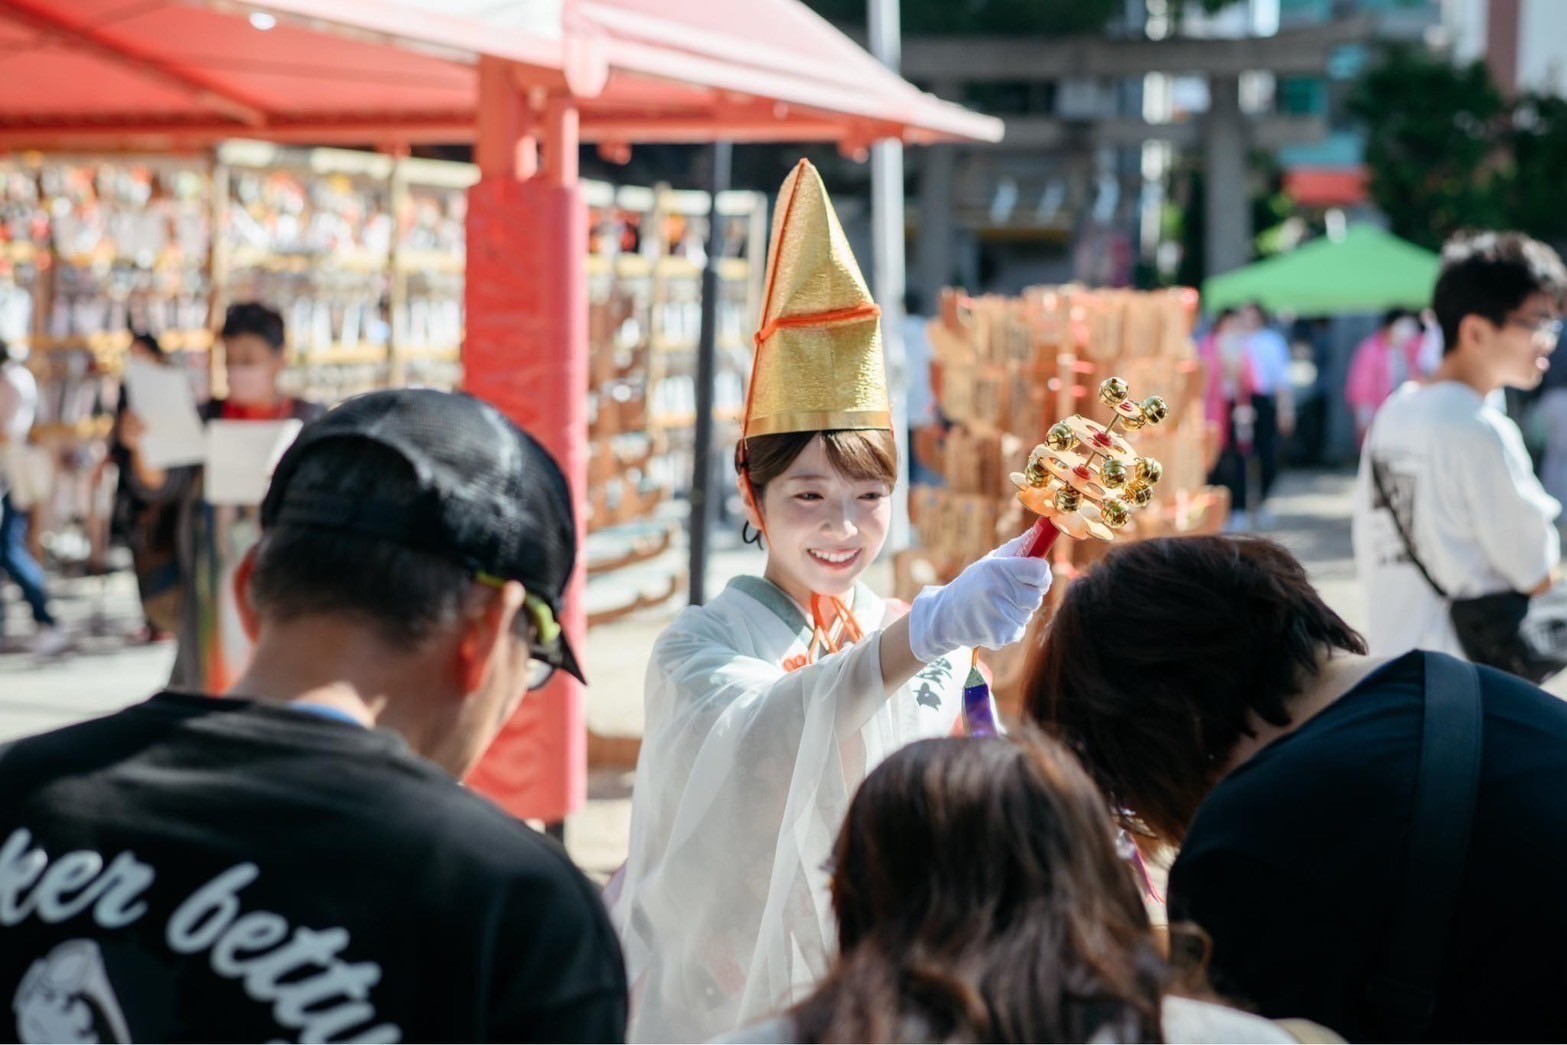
1402 995
1398 524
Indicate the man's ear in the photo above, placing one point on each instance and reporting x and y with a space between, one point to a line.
484 633
249 619
1474 330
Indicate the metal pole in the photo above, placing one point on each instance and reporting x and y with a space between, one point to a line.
702 501
1227 212
888 273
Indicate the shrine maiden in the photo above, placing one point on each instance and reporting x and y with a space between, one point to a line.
768 706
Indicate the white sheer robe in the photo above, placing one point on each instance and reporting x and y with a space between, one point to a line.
745 775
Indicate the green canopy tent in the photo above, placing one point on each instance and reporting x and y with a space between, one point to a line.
1367 270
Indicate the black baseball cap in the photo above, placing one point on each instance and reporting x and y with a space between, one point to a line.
489 496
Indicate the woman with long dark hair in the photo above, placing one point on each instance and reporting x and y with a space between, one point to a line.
980 896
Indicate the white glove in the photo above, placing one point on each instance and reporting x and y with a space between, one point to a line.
989 604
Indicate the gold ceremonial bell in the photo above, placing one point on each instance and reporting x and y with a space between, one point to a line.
1084 478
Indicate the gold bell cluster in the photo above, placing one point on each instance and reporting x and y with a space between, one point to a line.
1085 477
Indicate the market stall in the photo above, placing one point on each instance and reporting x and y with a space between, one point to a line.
527 83
366 251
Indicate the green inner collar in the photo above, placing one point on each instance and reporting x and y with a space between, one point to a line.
782 606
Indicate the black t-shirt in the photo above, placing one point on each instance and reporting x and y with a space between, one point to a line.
193 869
1295 864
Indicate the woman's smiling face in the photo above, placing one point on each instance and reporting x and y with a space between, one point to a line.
823 527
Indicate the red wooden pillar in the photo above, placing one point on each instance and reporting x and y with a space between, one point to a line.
526 351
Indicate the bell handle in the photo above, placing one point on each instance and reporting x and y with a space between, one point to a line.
1041 539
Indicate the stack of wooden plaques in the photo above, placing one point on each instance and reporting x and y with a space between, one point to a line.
1004 370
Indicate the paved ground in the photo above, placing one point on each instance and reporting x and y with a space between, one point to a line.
107 670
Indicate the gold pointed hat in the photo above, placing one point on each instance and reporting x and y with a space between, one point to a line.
819 362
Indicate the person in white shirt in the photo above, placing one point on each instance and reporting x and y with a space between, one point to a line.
18 408
1451 462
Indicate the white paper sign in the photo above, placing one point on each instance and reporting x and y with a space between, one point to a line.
240 458
162 397
29 471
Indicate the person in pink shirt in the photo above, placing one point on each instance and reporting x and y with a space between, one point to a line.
1381 363
1230 383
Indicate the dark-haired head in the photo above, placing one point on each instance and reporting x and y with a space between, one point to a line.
1490 275
5 351
253 319
1164 655
148 343
855 453
1225 319
980 897
815 496
401 594
417 613
1393 315
253 353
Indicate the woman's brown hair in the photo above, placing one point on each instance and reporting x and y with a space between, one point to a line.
980 897
859 453
1159 656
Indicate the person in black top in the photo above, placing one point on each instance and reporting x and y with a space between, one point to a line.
148 526
297 861
1228 711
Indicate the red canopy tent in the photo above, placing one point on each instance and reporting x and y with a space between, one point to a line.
527 81
166 73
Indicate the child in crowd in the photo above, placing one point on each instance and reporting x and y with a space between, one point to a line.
211 539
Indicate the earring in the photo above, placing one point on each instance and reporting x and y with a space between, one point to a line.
749 535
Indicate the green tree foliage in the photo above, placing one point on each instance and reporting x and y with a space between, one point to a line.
1432 143
1447 151
1539 153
